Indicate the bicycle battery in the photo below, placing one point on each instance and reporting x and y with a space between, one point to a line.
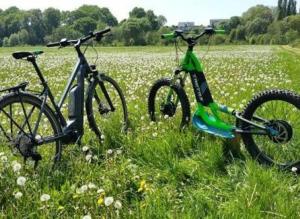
75 102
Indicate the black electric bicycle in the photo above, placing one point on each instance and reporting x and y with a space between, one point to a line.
35 130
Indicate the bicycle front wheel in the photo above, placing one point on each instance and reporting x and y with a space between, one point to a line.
106 107
25 125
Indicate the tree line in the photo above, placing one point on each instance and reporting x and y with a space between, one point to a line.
258 25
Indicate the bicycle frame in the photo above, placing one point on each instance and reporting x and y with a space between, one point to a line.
72 130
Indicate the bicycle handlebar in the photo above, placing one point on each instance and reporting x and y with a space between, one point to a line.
179 33
64 42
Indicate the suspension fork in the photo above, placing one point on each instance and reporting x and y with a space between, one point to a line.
173 81
106 95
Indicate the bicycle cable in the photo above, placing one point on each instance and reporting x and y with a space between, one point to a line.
97 54
208 47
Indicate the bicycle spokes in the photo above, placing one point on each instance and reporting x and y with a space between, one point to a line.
282 141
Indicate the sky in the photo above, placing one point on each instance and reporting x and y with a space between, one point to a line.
198 11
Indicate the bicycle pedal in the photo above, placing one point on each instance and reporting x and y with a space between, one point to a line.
199 124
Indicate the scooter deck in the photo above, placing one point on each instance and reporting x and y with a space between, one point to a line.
199 124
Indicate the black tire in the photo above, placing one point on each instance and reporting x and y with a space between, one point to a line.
183 99
50 152
96 119
270 105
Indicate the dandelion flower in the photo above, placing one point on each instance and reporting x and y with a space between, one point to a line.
143 186
118 204
16 167
82 189
18 195
100 200
45 197
88 157
87 217
85 148
109 151
92 186
99 191
3 159
21 181
108 201
294 169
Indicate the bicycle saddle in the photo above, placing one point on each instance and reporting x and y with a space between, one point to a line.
21 55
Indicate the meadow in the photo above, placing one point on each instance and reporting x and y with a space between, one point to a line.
154 171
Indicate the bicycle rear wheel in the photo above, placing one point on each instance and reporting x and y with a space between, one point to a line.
23 123
279 111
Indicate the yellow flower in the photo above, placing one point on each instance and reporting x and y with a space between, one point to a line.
100 200
143 186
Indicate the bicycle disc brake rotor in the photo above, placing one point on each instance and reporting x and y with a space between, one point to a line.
168 108
284 129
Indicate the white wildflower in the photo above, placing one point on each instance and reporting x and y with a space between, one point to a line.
21 181
99 191
16 166
108 201
118 204
85 148
3 159
45 197
87 217
92 186
88 157
18 195
82 189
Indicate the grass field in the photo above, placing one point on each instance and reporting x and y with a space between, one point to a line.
154 171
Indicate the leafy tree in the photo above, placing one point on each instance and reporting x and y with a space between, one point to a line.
137 13
234 22
35 26
284 8
281 11
52 19
259 11
107 17
161 20
85 25
63 32
94 12
256 27
134 30
23 37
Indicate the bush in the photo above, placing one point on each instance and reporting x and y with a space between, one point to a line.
5 42
14 40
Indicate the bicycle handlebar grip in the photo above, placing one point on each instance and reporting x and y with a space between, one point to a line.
106 30
168 36
53 44
220 31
